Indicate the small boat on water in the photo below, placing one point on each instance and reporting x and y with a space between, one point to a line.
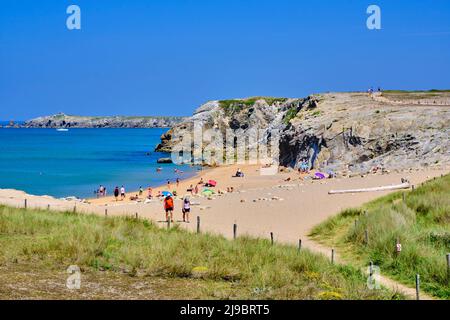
62 130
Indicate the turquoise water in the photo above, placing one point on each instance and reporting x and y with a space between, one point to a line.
75 163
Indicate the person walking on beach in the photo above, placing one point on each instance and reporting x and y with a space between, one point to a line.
178 182
141 191
196 189
186 209
168 185
116 193
122 193
149 194
168 206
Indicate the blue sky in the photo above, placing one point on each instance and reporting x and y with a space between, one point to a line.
167 57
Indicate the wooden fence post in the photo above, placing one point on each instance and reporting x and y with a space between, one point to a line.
332 256
106 212
25 203
271 237
137 217
448 268
366 237
168 223
198 224
48 207
234 230
417 287
299 245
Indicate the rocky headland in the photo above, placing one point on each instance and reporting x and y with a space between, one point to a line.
342 132
62 120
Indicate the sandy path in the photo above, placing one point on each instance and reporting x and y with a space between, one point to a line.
304 205
381 279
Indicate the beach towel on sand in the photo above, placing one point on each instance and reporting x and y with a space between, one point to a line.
320 175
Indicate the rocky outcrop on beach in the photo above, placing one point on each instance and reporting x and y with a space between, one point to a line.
164 160
342 132
355 132
62 120
240 117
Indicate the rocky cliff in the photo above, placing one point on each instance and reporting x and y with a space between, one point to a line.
356 132
337 131
241 116
66 121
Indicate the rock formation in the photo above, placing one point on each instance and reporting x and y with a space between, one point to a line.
335 131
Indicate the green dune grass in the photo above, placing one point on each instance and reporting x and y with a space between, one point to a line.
421 223
208 266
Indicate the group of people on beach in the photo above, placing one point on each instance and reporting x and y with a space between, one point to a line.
169 208
169 195
120 192
101 191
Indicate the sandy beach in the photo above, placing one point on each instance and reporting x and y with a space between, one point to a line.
259 205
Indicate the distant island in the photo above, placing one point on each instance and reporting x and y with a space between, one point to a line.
62 120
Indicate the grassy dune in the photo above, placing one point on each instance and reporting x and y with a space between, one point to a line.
416 95
421 223
116 251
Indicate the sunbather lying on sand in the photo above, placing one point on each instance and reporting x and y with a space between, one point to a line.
239 173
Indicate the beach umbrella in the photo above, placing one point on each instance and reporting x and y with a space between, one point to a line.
213 183
167 193
320 175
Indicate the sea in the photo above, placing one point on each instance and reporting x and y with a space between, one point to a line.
77 162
